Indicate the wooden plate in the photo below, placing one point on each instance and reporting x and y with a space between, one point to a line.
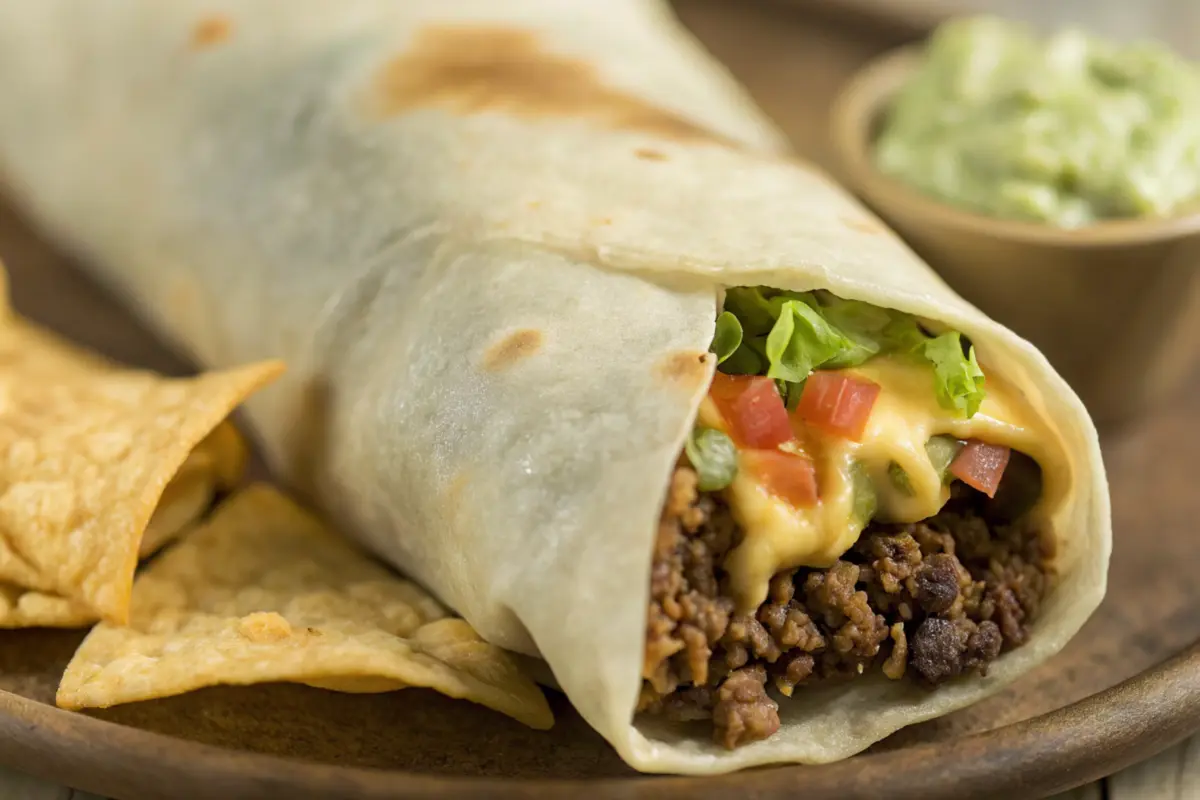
1055 729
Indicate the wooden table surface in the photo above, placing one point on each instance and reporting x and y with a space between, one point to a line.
762 52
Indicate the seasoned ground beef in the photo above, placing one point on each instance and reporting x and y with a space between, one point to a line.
931 601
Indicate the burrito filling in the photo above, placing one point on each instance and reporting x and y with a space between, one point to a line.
852 503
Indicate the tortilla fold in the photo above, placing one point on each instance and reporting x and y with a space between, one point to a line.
489 240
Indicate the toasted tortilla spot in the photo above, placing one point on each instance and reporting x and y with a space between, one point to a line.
649 154
685 367
514 347
478 69
457 488
862 225
211 31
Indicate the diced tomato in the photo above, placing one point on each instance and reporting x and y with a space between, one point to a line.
753 408
789 476
981 465
838 403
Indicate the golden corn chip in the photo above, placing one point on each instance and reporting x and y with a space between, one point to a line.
86 451
183 502
215 465
25 608
262 592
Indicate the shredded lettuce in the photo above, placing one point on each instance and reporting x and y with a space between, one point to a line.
800 341
728 337
904 335
786 335
862 323
959 379
748 359
757 310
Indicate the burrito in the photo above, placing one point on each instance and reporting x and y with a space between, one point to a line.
576 344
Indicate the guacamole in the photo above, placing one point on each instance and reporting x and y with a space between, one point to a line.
1068 130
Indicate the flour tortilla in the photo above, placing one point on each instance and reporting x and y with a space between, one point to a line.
488 239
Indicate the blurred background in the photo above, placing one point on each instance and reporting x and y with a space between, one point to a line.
1176 22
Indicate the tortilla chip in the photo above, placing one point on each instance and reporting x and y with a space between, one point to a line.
216 465
87 451
262 592
25 608
183 502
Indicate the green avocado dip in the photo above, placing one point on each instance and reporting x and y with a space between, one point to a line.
1068 130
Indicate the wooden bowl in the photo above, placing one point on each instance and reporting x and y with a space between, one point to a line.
1115 306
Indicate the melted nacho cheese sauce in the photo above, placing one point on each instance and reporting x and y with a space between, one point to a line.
778 536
